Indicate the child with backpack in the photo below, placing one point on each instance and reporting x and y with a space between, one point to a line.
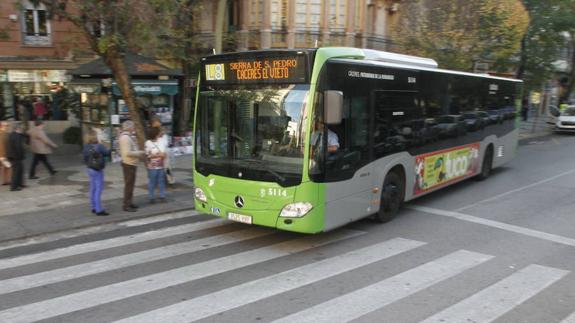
94 157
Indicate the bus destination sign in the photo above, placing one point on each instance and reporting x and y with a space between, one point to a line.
290 69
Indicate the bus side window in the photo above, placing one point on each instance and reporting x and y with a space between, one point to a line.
353 136
396 114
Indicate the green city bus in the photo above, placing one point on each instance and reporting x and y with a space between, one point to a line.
309 140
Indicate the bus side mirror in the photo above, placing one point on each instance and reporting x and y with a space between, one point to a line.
554 111
333 106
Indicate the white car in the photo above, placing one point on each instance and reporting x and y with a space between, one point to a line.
566 120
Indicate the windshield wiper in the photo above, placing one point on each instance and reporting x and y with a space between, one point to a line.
261 163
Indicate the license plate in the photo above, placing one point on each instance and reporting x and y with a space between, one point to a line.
240 218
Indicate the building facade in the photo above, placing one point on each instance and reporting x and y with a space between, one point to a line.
263 24
36 52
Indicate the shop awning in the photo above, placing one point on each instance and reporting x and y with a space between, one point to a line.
151 87
137 65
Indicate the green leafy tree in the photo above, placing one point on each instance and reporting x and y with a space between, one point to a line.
459 33
541 43
187 47
112 28
182 46
566 26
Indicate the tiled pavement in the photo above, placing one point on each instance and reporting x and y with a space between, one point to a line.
535 126
59 202
70 185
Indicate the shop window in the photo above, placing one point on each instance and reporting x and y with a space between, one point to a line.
35 25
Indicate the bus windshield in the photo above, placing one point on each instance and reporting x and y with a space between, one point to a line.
253 133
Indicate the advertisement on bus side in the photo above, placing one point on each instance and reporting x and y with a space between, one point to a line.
443 167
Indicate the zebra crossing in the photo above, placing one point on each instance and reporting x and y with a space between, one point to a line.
58 285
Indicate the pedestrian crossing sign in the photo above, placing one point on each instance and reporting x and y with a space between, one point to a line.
215 72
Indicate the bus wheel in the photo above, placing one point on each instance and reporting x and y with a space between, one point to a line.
487 165
392 196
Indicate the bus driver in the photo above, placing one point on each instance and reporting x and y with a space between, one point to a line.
332 138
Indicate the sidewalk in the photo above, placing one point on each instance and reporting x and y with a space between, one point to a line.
61 202
535 127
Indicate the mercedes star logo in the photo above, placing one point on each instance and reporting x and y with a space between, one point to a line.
239 201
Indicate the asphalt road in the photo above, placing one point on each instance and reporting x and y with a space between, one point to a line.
501 250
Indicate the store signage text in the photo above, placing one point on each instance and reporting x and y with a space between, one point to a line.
37 76
148 88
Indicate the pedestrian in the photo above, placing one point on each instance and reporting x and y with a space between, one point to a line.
94 157
130 155
524 109
40 109
164 143
155 156
16 155
23 111
41 146
5 166
157 123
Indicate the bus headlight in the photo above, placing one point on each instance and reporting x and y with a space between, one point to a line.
296 210
200 195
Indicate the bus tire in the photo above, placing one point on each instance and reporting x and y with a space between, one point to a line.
487 164
392 195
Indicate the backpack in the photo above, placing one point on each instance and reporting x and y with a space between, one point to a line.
95 159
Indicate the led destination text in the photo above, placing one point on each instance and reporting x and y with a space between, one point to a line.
264 69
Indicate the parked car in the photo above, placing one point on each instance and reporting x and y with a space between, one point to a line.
433 132
496 116
509 112
566 120
473 121
451 126
484 116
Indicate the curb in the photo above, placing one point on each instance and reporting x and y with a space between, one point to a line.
529 136
82 227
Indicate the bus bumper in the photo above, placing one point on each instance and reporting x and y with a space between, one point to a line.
268 218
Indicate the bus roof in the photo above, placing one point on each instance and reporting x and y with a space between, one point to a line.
261 52
377 55
364 56
393 60
419 68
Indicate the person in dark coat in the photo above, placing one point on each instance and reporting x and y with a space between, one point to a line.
524 109
16 155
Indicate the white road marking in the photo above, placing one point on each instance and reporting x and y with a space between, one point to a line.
501 297
516 190
108 264
569 319
108 243
368 299
158 218
110 293
95 229
240 295
500 225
